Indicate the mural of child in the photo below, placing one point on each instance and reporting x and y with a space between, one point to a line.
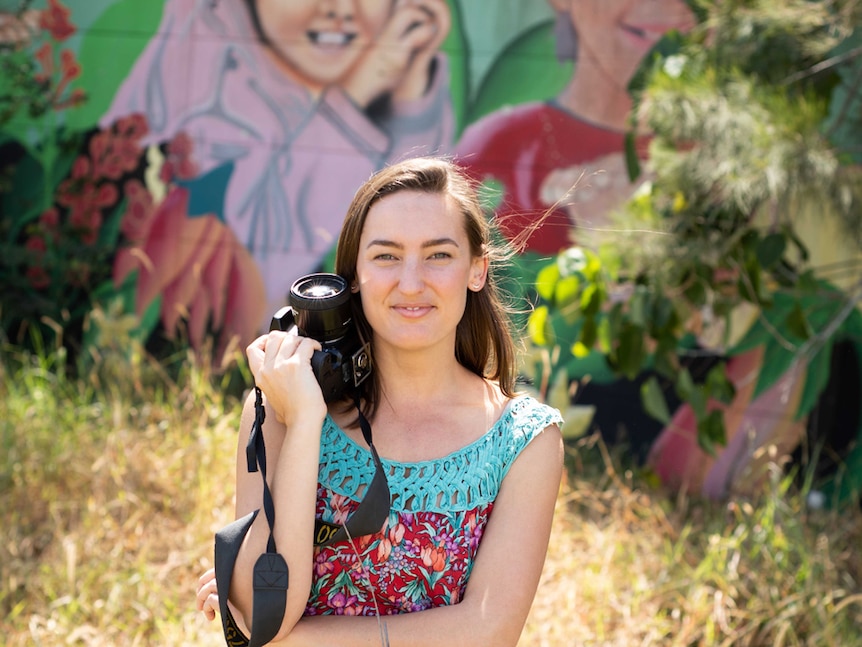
287 105
569 152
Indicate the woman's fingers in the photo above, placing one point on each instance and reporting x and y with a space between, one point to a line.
207 597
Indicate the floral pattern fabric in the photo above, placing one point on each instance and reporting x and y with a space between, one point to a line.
418 561
423 555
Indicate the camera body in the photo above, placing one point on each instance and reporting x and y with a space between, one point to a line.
319 307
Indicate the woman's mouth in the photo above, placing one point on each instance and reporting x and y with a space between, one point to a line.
412 312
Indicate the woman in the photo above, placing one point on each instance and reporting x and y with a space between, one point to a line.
473 468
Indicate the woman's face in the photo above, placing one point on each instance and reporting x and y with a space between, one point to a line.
321 39
414 269
615 35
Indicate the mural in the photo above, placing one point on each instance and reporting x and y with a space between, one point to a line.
183 161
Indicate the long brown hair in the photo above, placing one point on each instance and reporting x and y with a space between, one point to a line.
483 340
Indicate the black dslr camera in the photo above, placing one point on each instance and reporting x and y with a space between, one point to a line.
320 309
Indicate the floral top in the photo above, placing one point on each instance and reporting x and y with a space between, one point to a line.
423 555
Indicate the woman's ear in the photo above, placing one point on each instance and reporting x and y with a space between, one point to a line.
479 273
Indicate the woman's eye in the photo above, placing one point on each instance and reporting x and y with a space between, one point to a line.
384 257
440 255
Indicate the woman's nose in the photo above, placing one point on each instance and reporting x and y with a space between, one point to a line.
412 278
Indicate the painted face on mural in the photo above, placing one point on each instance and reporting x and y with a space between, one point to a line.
319 40
614 35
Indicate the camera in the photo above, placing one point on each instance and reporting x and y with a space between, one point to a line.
319 307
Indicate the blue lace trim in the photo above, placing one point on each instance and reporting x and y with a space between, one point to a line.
463 480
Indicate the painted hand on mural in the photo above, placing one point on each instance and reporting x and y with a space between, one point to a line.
590 193
398 61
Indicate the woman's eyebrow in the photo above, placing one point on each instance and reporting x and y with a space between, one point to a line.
435 242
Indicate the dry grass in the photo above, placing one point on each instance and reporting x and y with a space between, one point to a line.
630 566
111 489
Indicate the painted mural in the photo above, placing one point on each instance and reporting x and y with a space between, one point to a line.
181 162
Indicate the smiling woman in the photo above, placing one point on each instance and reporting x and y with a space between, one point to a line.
473 468
411 270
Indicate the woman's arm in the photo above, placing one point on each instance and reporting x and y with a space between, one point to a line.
295 411
504 577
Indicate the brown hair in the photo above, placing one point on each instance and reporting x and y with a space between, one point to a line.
484 342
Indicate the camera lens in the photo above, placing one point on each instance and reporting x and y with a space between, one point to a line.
321 303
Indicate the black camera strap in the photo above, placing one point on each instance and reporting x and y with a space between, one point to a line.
270 576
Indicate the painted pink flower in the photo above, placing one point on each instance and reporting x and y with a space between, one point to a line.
45 57
55 19
113 154
86 223
139 211
179 163
132 127
70 69
38 277
76 97
85 200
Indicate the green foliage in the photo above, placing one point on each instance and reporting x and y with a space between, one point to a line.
745 113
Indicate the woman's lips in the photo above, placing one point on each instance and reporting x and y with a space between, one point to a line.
412 311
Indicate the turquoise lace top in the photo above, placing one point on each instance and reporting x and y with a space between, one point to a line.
423 554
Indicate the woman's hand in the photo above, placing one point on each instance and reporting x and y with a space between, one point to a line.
399 60
208 595
281 365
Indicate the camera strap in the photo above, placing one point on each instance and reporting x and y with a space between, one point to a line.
270 575
372 511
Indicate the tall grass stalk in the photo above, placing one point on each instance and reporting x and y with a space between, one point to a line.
112 484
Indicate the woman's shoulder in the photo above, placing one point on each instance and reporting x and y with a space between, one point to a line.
524 418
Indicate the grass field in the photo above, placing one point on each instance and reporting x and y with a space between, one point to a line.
111 488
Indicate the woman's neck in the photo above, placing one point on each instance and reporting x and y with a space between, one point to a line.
421 376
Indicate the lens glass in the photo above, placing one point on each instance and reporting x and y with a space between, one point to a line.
318 291
321 303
